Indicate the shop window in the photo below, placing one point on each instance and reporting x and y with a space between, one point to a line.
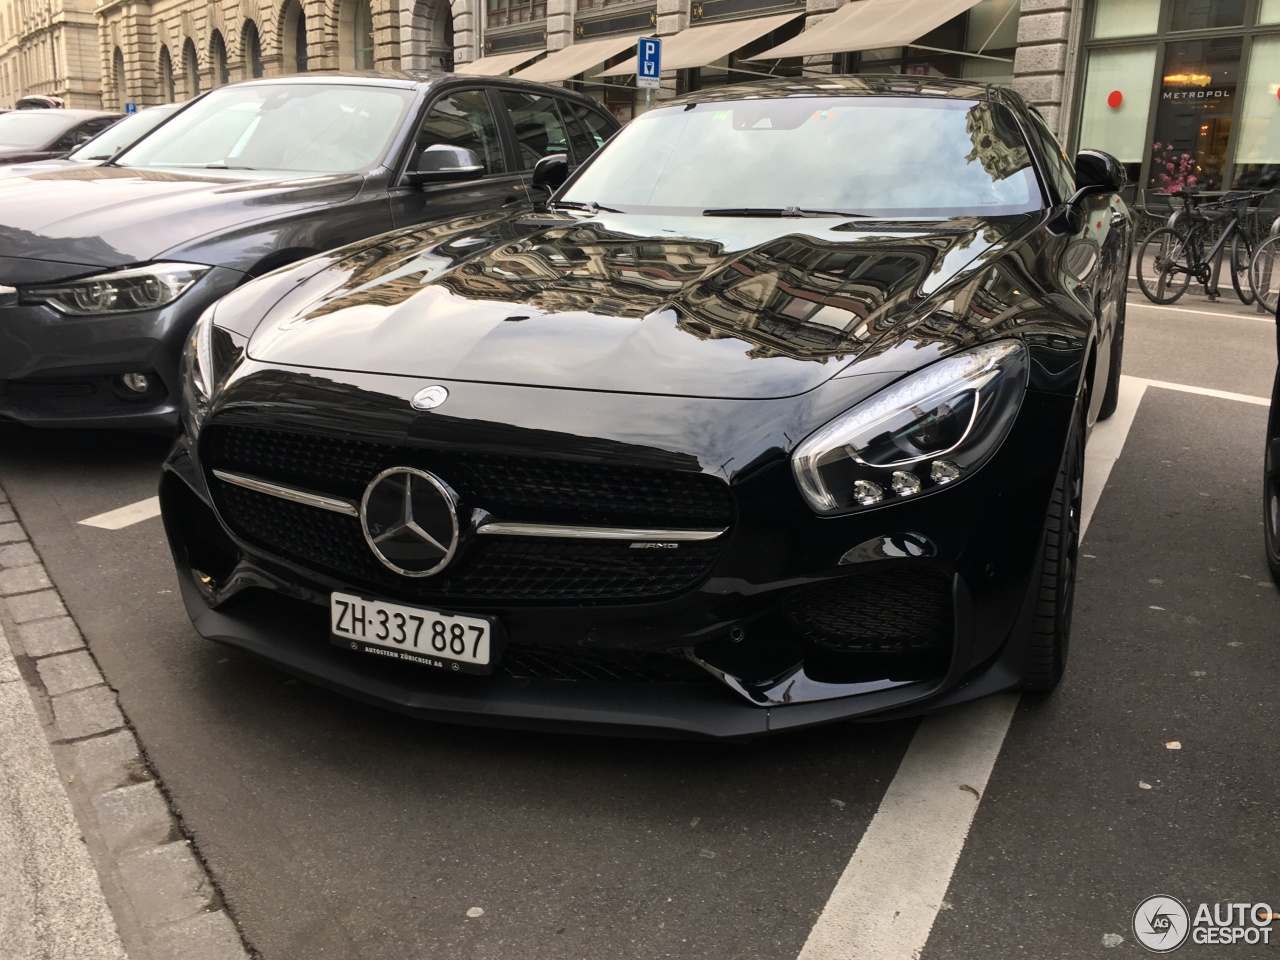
990 28
1269 11
1117 102
993 25
1193 116
1206 14
1258 145
1125 18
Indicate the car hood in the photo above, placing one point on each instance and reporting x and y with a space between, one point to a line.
100 216
708 307
24 154
29 168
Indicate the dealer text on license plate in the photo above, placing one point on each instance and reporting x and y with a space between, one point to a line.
441 640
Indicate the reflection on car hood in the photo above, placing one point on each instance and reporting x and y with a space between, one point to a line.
114 216
680 306
8 170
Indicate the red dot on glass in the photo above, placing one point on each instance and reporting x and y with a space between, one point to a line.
1114 99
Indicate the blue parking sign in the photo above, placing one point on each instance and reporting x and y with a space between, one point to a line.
130 108
649 63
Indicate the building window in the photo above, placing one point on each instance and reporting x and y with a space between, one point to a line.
218 59
166 76
502 13
977 45
1207 14
118 78
1125 18
1116 103
293 37
251 45
191 67
1258 149
362 35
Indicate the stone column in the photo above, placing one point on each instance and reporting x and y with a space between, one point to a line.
815 12
1042 66
560 24
673 16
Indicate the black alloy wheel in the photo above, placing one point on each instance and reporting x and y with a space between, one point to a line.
1052 631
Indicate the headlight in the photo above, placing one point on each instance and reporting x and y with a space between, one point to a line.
124 291
210 356
927 430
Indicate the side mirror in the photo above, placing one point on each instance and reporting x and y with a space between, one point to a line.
442 163
1100 171
550 173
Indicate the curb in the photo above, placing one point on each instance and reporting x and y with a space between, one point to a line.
165 903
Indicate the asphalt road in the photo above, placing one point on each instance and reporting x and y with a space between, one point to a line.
339 831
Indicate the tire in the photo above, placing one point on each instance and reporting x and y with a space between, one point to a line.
1241 259
1157 256
1264 274
1051 634
1271 517
1111 393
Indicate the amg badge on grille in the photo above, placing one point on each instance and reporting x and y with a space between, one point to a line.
410 521
428 398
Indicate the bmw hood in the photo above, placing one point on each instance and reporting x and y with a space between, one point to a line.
113 216
699 307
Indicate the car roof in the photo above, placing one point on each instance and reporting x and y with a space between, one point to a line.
78 114
408 80
863 85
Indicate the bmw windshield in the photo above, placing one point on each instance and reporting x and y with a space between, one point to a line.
284 127
815 156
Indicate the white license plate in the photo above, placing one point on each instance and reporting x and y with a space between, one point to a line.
428 637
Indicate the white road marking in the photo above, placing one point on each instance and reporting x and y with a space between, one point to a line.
885 903
125 516
1215 314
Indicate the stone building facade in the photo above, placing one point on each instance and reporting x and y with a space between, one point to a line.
49 47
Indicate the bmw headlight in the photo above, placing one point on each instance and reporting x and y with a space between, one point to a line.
210 356
927 430
121 291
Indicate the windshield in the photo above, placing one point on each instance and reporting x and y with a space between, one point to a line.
119 135
300 127
876 156
29 128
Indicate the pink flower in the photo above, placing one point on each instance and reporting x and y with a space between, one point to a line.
1191 181
1156 146
1169 167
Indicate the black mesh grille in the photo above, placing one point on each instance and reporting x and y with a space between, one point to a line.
622 666
880 612
488 569
511 488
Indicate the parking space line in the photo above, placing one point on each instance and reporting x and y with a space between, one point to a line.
886 901
1207 392
1215 314
125 516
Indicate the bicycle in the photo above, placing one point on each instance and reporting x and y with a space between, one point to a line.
1171 257
1264 274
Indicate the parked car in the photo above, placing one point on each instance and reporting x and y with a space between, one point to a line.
104 146
40 101
27 136
104 269
775 416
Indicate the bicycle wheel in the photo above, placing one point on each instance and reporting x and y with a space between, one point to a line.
1162 265
1264 274
1241 258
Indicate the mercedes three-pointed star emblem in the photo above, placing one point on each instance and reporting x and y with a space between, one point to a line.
410 521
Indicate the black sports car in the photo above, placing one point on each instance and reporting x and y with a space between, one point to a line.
773 416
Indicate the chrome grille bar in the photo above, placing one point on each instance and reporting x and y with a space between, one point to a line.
500 528
332 504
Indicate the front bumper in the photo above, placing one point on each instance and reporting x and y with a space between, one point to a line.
61 371
980 540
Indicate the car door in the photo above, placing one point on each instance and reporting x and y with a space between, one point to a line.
460 117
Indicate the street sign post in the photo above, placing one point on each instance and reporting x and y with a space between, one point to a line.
648 67
130 108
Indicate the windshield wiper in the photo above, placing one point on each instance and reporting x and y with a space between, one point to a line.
777 212
592 208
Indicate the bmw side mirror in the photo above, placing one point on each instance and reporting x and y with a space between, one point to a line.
442 163
550 173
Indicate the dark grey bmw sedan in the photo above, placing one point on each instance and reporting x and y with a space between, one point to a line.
104 270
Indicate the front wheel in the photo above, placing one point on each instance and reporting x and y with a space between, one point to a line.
1241 258
1264 274
1052 632
1163 266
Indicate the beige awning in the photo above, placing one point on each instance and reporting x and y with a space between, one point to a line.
497 65
870 25
699 46
577 58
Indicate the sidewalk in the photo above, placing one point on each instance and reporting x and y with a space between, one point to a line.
51 904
